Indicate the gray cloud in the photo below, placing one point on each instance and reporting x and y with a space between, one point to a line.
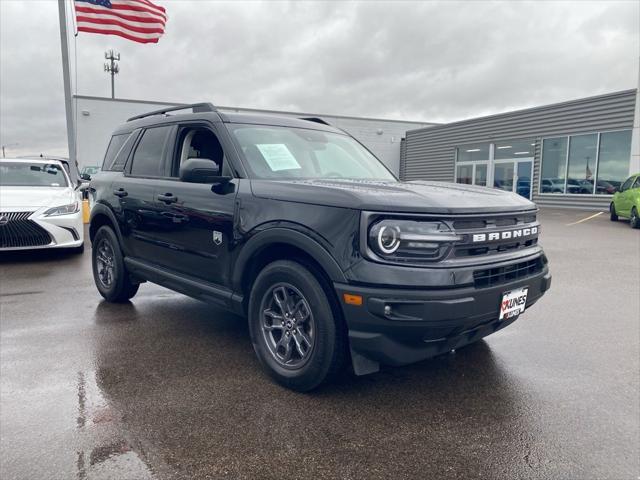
414 60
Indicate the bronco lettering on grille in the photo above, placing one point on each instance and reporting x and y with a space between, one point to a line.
506 235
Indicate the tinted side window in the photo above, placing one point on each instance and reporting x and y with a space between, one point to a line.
112 150
149 155
637 183
123 154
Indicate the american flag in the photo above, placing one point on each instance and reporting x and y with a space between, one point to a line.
137 20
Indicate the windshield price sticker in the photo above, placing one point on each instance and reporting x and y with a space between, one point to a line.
278 156
513 303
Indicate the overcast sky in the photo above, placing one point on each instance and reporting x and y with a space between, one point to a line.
426 61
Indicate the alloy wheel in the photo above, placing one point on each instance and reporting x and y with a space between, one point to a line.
105 263
287 325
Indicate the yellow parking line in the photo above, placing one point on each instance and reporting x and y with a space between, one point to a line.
585 219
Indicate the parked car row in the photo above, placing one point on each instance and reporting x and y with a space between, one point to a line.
298 227
575 186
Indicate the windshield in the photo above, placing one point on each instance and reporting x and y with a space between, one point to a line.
25 174
291 153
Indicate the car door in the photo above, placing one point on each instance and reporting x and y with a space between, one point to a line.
198 218
138 214
623 204
634 193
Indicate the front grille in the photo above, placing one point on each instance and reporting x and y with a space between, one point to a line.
467 251
19 231
469 228
509 273
505 221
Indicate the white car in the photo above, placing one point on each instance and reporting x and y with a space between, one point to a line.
40 207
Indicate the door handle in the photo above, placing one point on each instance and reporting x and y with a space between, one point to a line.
167 198
120 192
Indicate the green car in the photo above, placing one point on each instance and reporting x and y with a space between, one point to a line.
626 201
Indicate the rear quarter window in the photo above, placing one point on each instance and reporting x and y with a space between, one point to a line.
116 143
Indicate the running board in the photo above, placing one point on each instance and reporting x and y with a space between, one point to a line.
185 284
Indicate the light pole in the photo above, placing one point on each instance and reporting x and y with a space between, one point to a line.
112 67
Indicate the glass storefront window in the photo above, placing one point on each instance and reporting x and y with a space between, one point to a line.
464 174
583 152
608 158
481 175
554 159
514 149
569 164
503 175
473 153
615 151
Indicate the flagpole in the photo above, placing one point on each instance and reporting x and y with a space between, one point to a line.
66 76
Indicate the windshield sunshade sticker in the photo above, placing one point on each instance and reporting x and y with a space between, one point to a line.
278 156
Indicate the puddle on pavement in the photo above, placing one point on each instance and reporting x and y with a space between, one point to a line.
103 452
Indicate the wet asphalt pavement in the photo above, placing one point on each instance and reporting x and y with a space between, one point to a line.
168 387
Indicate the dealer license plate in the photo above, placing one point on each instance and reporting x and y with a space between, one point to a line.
513 303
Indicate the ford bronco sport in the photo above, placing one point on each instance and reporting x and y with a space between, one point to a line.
295 225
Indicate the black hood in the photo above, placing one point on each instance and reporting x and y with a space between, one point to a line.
416 196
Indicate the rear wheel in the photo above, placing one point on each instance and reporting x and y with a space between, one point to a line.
294 331
612 212
109 273
634 220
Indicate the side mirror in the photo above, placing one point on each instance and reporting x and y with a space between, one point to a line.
85 176
201 170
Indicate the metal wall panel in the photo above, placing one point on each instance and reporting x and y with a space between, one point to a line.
430 153
403 153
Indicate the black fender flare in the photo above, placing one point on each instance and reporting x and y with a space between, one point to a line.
100 209
273 235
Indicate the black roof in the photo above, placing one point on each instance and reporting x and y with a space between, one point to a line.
217 116
262 119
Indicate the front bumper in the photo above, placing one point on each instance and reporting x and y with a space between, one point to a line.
422 323
65 231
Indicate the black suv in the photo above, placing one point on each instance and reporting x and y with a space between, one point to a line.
297 226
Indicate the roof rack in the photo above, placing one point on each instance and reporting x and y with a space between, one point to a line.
195 108
316 120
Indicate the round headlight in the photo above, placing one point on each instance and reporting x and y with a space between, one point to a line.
388 239
409 240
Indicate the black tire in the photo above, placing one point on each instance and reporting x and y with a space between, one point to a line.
612 212
326 354
109 273
634 220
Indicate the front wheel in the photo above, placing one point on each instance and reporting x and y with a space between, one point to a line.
109 273
634 220
612 212
294 331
